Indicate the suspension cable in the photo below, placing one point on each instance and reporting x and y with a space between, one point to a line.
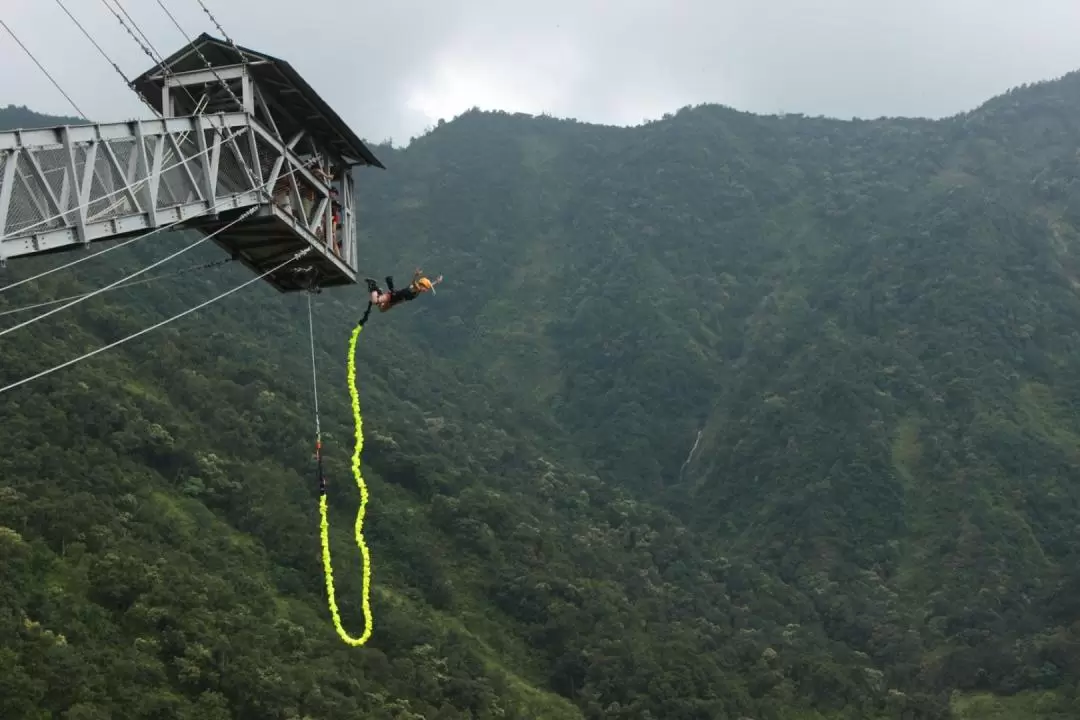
206 62
148 47
144 331
42 68
193 245
239 53
91 256
105 55
161 58
142 46
217 24
193 268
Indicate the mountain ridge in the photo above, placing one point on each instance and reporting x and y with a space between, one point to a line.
542 546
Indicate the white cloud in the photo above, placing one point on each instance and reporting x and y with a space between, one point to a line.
393 68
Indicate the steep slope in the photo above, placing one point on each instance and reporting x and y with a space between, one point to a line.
913 423
159 542
869 323
780 294
160 552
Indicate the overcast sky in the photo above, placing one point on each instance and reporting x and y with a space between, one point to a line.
394 67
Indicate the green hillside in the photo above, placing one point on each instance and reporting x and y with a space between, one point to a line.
723 416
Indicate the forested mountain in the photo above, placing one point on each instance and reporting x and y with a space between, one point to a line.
723 416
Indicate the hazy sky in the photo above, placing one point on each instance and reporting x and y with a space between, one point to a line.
392 68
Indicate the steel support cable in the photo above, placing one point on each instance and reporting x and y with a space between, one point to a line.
239 53
217 25
144 331
161 58
144 281
73 263
146 101
202 57
149 52
127 278
147 47
42 68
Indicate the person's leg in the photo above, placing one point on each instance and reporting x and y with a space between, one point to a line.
373 290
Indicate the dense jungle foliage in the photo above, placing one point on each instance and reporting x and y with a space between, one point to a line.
723 416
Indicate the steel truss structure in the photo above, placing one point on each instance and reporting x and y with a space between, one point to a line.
240 147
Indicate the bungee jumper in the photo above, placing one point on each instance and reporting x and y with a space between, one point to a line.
391 297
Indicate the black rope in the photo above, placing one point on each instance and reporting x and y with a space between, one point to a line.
365 316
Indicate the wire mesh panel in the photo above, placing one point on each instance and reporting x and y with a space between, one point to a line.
29 199
57 182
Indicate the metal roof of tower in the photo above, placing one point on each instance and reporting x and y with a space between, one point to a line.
295 104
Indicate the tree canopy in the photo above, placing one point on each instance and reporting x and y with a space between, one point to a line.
722 416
